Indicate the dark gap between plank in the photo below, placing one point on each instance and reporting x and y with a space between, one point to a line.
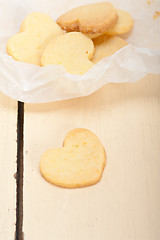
19 176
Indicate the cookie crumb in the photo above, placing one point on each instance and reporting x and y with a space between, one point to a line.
150 1
156 14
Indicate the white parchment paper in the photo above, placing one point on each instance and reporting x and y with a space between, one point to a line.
34 84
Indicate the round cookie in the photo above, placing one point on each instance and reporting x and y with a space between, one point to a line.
106 46
92 18
79 163
123 25
72 50
36 31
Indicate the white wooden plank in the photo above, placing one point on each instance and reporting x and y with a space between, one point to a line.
125 204
8 152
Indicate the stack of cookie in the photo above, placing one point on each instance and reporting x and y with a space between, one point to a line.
80 38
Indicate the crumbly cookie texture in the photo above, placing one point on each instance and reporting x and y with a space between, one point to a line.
123 25
93 35
79 163
36 31
72 50
106 46
92 18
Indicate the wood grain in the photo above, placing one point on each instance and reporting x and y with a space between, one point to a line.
125 204
8 167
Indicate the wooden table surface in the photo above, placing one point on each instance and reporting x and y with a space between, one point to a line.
124 205
8 167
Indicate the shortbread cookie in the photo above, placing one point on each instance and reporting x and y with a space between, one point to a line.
36 31
92 18
72 51
93 35
123 25
106 46
79 163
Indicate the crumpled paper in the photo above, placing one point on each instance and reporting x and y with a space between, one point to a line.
34 84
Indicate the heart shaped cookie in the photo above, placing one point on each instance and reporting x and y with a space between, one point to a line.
106 46
79 163
92 18
36 31
72 50
123 25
